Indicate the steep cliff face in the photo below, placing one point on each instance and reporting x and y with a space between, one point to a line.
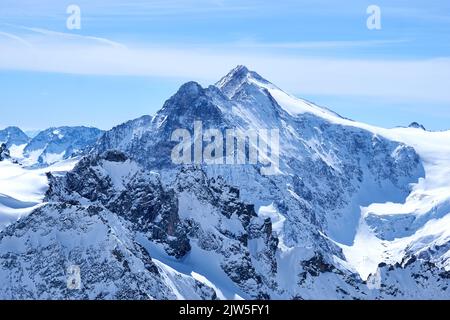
38 254
109 216
350 213
4 152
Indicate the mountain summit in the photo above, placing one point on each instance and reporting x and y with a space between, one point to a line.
234 80
13 136
241 80
353 211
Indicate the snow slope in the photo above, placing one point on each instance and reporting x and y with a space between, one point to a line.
421 221
22 190
358 212
388 230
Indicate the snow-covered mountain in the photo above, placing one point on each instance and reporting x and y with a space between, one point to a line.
354 211
23 189
25 164
13 136
55 144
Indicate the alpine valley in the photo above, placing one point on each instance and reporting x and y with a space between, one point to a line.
354 211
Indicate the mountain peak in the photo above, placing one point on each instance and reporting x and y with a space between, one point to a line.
13 130
187 93
189 103
239 72
416 125
190 88
230 83
13 136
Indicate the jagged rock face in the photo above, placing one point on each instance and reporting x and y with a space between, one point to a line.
411 278
98 242
151 146
121 136
122 187
326 169
230 229
56 144
166 228
4 152
200 211
320 178
13 136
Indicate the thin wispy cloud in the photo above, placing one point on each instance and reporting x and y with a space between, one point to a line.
140 51
152 8
425 79
422 14
15 38
318 44
61 36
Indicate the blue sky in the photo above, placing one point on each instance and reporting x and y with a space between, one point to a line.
130 56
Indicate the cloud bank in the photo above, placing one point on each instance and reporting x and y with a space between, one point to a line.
46 51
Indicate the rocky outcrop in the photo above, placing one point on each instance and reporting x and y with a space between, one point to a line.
4 152
140 226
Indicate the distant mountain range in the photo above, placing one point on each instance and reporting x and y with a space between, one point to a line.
49 146
352 212
13 136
